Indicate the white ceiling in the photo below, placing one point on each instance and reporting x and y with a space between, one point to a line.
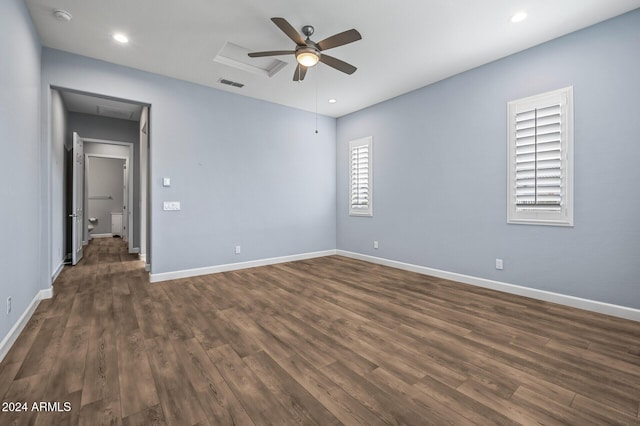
79 102
406 44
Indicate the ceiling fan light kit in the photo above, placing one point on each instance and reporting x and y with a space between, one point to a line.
307 52
307 56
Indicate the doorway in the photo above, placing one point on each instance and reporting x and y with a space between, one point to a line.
104 123
107 197
108 193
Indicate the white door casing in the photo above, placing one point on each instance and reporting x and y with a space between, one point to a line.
125 203
128 214
77 215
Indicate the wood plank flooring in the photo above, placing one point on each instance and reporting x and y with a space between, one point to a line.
325 341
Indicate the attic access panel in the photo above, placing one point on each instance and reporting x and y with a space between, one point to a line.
238 57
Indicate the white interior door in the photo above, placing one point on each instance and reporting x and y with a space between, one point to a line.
125 202
77 221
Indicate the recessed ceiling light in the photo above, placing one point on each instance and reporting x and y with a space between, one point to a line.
332 101
121 38
519 17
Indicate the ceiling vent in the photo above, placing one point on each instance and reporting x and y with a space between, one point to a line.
238 57
230 83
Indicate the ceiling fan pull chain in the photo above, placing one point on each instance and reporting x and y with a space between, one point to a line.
316 104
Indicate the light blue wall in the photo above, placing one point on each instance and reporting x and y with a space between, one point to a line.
20 263
247 172
97 127
440 171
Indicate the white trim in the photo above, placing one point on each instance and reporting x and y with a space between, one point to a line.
57 272
249 68
17 328
165 276
143 257
563 217
128 219
548 296
135 250
102 235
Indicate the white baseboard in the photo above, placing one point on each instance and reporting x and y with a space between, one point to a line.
17 328
57 272
135 250
562 299
101 235
165 276
46 294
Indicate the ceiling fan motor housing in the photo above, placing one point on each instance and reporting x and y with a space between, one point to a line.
308 30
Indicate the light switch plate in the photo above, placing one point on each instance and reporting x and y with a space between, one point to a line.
171 205
166 182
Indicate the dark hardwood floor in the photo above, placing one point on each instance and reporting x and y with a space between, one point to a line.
324 341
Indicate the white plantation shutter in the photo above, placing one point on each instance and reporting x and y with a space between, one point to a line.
540 174
360 177
538 159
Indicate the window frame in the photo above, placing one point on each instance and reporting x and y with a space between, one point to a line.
519 215
357 143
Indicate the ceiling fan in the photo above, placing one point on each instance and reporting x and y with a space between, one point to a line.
308 52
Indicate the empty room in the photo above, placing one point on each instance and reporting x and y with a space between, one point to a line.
287 212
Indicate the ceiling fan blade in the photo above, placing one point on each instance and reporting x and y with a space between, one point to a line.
271 53
299 73
340 39
337 64
289 31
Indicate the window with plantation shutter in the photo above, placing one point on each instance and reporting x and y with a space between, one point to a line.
540 184
360 177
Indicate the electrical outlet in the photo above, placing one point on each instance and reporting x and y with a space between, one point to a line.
237 249
375 244
8 305
499 264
